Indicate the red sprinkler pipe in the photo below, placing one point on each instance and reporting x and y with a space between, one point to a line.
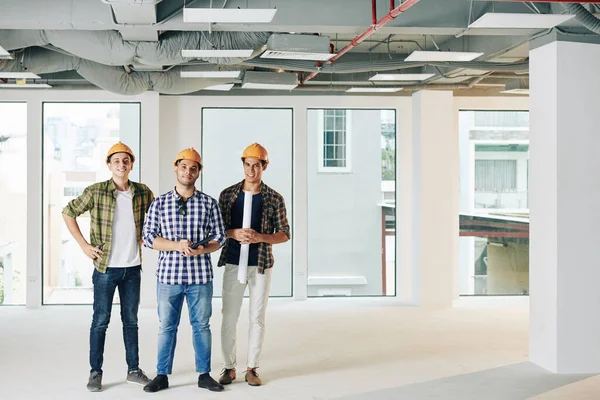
372 29
392 3
374 11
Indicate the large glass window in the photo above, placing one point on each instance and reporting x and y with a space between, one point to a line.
13 192
494 207
225 134
77 137
351 212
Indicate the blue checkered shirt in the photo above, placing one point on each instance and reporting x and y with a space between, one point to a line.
199 218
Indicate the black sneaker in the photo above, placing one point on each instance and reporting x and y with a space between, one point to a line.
159 383
138 377
205 381
95 382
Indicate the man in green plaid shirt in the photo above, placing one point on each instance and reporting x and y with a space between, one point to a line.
116 208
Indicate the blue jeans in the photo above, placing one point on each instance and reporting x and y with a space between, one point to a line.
170 303
128 281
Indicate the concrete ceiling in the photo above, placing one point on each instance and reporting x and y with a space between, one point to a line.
428 25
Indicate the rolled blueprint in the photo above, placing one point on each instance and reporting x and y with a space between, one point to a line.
245 248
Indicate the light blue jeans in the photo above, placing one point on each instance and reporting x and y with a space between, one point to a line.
170 303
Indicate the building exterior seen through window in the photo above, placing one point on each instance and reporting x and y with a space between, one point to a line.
494 203
13 213
76 137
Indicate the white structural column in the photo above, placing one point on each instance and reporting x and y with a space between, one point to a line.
564 197
434 198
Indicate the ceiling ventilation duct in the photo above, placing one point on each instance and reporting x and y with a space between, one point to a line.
298 47
270 80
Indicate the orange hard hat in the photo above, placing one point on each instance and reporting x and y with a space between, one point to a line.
189 154
255 150
119 148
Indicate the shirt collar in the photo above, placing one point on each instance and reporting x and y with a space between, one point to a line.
113 188
177 196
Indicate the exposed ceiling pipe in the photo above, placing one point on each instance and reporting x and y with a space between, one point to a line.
351 67
372 29
374 11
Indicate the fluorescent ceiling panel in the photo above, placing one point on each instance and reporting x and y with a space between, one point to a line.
401 77
296 55
516 91
4 54
210 74
25 85
270 80
270 86
18 75
372 90
520 21
216 53
224 88
442 56
230 15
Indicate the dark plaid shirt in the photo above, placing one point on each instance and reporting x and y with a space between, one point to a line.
100 199
273 219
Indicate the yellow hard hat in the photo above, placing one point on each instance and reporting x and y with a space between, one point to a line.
255 150
119 148
189 154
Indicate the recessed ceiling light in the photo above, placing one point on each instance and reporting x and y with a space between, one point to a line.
372 90
233 15
18 75
401 77
216 53
520 21
442 56
24 85
210 74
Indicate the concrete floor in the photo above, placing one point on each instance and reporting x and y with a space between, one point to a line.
369 348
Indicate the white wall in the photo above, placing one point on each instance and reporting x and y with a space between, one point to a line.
177 117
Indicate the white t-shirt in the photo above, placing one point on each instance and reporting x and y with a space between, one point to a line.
125 250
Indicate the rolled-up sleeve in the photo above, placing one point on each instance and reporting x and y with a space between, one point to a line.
217 224
81 204
280 222
152 224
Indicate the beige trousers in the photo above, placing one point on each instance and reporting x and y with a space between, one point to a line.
233 295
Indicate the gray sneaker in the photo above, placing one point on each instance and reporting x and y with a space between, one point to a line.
138 377
95 382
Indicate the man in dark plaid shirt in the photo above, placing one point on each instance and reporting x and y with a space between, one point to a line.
116 208
268 226
177 221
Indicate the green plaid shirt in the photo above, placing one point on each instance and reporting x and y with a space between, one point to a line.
100 200
273 219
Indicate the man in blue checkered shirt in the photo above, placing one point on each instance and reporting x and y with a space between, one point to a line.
176 221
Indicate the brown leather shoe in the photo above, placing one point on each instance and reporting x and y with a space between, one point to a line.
252 377
227 376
